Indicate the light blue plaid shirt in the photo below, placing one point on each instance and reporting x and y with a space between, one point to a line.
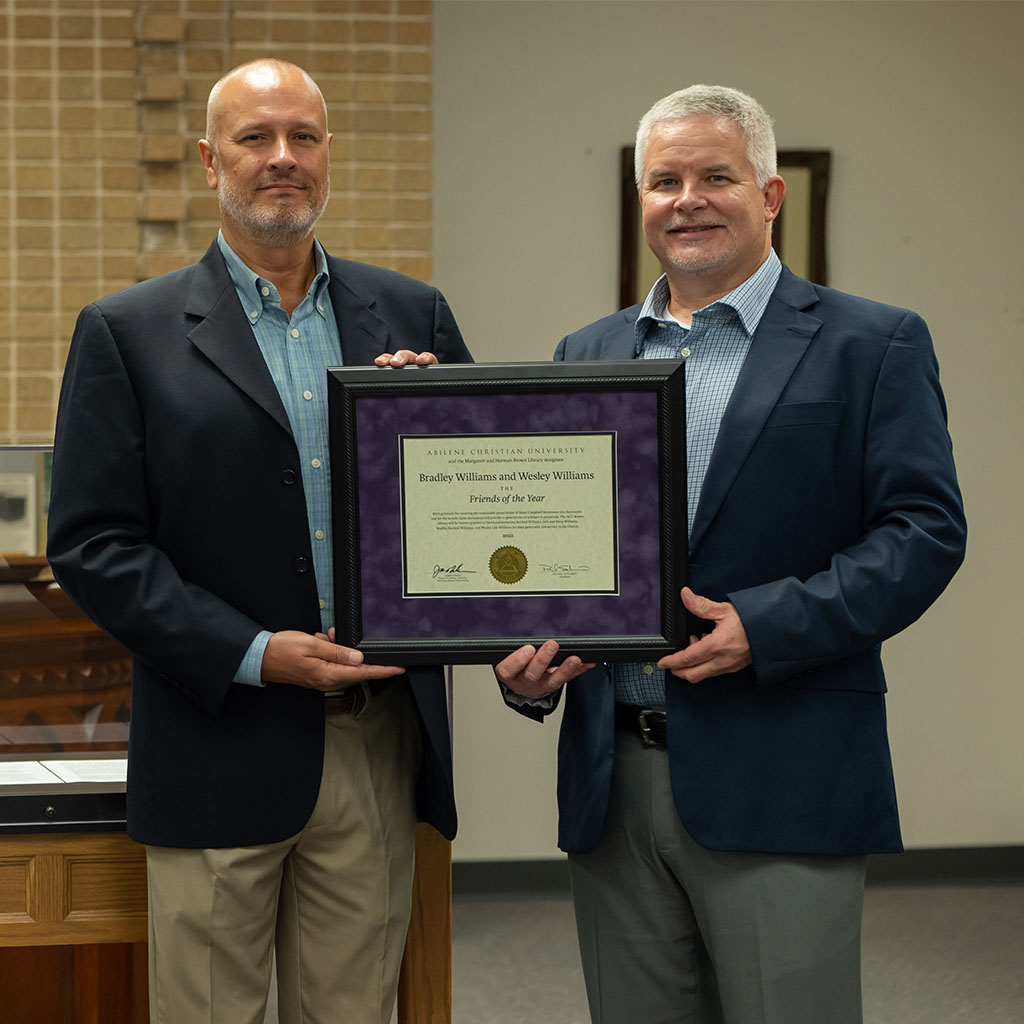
714 347
297 350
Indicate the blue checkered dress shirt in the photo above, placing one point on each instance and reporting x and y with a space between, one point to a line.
297 350
714 348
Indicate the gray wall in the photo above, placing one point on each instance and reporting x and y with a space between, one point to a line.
920 105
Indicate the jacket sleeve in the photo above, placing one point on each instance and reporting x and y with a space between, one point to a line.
913 530
100 542
448 344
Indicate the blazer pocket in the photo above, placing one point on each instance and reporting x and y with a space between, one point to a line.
803 414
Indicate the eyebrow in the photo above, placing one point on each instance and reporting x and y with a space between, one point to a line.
298 126
658 172
667 172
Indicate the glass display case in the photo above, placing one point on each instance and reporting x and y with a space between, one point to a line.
72 883
64 685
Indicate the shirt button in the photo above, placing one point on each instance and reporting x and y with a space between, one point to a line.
661 326
307 395
253 313
685 352
323 604
295 332
315 463
264 291
649 670
319 534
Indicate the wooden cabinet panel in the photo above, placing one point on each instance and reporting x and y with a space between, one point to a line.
71 887
91 984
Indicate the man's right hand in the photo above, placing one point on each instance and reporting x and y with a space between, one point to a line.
316 662
529 672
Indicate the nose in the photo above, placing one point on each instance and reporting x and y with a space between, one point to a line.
281 154
690 197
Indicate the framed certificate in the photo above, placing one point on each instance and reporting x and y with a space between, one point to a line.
481 507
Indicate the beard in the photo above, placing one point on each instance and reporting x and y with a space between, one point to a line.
697 262
271 223
693 259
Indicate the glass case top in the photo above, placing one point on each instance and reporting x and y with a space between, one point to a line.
65 686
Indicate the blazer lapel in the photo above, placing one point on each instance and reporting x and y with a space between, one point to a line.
776 349
364 335
223 334
621 343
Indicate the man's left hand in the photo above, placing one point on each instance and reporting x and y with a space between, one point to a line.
725 649
405 357
529 672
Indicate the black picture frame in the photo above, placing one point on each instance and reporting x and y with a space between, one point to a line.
641 401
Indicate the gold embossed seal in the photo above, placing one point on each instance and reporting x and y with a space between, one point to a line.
508 565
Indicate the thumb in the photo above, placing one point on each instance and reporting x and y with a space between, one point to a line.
702 607
341 655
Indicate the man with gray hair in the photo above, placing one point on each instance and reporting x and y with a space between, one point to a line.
718 806
274 777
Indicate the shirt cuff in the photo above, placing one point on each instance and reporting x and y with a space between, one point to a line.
511 697
250 670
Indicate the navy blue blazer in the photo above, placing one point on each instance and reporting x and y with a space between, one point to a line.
178 523
831 518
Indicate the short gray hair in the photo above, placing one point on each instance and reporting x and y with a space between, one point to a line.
716 101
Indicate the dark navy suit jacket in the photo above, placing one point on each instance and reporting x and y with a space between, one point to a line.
831 518
178 523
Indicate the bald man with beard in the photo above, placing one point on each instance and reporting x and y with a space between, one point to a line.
274 778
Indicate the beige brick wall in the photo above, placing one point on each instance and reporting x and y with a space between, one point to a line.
101 186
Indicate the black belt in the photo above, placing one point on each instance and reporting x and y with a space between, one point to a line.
353 699
647 723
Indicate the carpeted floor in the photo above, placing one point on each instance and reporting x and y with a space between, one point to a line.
932 955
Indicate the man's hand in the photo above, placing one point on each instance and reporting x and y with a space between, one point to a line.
317 662
725 649
529 671
404 357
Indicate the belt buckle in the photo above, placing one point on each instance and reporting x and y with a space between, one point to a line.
645 717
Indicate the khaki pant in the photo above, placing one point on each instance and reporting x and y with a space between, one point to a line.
331 903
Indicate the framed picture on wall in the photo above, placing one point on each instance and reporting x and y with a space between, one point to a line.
798 233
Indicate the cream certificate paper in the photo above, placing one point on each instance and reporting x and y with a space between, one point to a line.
509 514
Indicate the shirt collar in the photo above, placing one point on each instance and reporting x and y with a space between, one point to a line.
749 299
250 286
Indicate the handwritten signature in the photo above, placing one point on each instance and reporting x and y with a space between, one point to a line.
451 570
563 567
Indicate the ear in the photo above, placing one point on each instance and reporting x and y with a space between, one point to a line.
209 158
774 192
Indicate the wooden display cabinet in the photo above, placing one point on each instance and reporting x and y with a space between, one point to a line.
72 884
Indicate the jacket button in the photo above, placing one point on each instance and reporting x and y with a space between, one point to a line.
301 564
289 476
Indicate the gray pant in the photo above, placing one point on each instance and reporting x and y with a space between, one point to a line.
672 933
